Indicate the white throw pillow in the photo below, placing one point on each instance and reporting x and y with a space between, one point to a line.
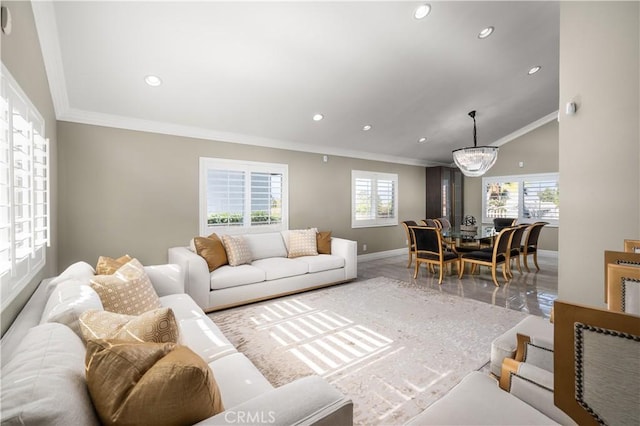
68 301
44 382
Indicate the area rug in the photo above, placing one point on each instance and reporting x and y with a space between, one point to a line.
393 347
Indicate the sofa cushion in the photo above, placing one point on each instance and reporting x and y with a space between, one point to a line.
229 276
158 325
322 262
302 242
129 291
108 266
263 246
44 383
323 240
238 251
212 250
80 271
68 301
150 383
238 379
281 267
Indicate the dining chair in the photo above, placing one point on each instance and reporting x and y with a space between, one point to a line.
499 223
430 250
530 246
444 223
410 242
432 223
514 248
623 288
491 257
632 246
617 258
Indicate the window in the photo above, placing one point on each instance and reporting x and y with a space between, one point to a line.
241 196
374 199
529 198
24 190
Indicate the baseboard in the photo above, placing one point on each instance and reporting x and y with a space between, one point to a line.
382 254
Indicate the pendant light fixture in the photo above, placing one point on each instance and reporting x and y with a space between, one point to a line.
475 161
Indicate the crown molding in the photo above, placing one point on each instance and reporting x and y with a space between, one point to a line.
150 126
46 27
526 129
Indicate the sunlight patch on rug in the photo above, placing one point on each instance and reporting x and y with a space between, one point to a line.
392 347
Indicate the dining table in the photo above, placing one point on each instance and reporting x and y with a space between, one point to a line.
466 239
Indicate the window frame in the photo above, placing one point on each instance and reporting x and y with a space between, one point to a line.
247 167
375 177
520 180
34 193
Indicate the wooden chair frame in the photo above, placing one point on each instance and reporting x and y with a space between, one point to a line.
566 355
410 244
616 278
441 262
617 258
493 264
516 245
537 228
632 246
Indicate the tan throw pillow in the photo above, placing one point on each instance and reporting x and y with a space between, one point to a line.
238 252
212 250
303 243
158 326
129 291
108 265
150 383
323 240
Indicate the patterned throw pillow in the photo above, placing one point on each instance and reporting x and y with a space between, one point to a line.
108 265
302 243
150 383
158 326
212 250
323 239
129 291
238 251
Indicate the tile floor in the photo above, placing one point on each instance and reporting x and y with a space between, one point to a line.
532 292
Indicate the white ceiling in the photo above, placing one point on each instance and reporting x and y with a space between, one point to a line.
256 72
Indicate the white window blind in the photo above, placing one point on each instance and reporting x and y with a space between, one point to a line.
24 190
374 199
529 198
236 196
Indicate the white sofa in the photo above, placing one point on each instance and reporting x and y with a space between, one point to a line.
43 364
270 274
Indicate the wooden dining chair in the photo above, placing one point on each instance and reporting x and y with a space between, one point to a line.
430 250
491 257
432 223
444 223
499 223
514 248
617 258
410 242
632 246
530 246
623 288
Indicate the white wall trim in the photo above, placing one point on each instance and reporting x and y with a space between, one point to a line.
382 254
526 129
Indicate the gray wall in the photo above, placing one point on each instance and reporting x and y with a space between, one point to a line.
132 192
20 52
538 150
600 145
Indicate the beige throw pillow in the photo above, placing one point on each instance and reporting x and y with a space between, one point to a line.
303 243
238 251
212 250
323 239
108 265
150 384
129 291
158 326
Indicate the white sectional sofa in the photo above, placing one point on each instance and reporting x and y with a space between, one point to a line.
43 364
270 274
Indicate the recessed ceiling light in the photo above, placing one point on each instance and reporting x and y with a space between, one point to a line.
422 11
422 140
486 32
318 117
534 70
366 127
153 80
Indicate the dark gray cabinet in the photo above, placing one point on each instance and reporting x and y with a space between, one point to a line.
445 194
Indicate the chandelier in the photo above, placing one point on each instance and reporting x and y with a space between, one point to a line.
476 160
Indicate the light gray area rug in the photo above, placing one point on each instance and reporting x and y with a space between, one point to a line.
392 347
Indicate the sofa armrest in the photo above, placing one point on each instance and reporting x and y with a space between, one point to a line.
197 281
307 401
349 250
166 279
